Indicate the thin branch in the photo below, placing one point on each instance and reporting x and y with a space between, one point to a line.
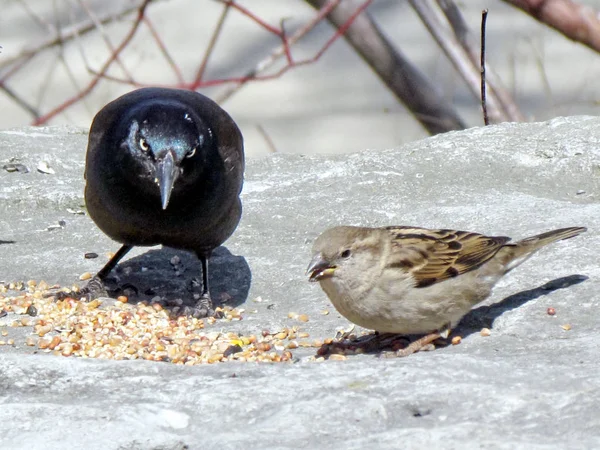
211 45
405 81
486 119
470 45
105 67
163 49
100 27
457 56
270 60
581 23
279 73
19 101
254 17
37 18
267 139
65 35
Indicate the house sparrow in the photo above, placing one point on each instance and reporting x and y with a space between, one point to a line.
409 280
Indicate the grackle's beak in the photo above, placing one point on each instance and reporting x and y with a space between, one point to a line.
319 268
166 173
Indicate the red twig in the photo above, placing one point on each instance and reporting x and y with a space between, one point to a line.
211 46
140 16
284 50
291 63
255 18
279 51
163 48
285 42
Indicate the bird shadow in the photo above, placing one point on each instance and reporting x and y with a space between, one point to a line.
176 274
484 316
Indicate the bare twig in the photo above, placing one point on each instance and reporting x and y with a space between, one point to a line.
65 34
267 138
37 18
486 119
469 43
19 101
457 56
100 27
407 83
578 22
211 46
254 17
279 51
286 45
62 107
163 49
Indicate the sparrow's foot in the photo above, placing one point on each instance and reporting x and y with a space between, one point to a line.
92 290
365 344
422 344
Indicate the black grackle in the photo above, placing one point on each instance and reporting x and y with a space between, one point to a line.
164 166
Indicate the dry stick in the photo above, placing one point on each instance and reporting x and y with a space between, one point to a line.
83 54
163 49
486 119
209 49
37 18
286 50
247 12
403 79
8 91
267 138
468 42
100 27
103 70
578 22
19 101
457 56
77 39
279 51
65 35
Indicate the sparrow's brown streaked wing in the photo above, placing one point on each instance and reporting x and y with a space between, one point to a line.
431 256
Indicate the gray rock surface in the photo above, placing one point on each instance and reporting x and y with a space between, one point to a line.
531 384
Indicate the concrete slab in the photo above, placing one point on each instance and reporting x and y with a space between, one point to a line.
531 384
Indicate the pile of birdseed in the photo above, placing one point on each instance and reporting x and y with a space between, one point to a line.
123 331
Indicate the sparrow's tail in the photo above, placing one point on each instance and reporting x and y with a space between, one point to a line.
515 253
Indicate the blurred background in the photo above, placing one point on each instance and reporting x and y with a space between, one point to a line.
376 78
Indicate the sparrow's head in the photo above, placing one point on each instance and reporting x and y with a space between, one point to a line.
166 145
344 250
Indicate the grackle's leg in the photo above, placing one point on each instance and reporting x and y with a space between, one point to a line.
204 305
110 265
95 287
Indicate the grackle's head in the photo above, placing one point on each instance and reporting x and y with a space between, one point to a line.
165 144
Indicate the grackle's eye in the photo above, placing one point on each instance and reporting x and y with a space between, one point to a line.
144 145
346 254
191 153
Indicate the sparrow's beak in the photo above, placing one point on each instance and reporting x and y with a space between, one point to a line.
166 174
319 268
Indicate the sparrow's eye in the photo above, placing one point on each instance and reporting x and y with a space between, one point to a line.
191 153
346 253
144 145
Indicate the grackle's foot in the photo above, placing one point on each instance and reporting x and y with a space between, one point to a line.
92 290
202 309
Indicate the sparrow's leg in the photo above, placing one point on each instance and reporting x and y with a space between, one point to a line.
95 287
423 342
373 342
204 306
